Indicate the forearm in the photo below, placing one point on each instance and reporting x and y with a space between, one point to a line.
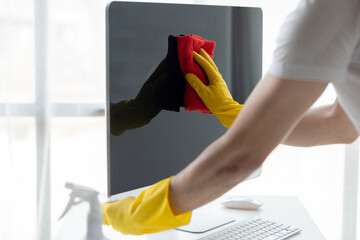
210 175
321 126
262 124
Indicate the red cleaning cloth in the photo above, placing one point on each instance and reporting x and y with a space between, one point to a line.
186 45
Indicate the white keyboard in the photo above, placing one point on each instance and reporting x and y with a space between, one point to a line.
254 229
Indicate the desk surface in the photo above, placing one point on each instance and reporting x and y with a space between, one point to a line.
283 209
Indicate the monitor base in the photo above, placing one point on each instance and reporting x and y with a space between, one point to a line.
202 222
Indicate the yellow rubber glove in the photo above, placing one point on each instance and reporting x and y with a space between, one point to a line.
216 95
148 213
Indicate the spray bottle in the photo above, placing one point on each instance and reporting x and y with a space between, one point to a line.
95 216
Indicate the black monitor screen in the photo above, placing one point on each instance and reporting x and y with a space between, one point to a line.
145 143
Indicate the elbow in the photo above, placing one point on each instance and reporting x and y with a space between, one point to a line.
241 163
350 137
346 129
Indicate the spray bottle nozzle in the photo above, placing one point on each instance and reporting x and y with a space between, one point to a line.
80 194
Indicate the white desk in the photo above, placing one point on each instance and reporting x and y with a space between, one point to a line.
283 209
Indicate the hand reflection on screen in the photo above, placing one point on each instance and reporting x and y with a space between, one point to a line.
164 90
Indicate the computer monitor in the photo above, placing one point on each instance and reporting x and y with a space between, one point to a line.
137 41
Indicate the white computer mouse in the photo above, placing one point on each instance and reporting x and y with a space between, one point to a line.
242 203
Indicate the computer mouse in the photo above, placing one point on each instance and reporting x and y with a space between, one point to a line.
242 203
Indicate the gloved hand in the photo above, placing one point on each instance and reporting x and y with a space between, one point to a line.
216 95
148 213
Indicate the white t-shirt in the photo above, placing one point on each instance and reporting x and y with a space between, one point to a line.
320 40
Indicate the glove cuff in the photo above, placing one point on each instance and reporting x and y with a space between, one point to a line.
159 195
228 116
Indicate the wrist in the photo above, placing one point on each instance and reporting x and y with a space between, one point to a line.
175 201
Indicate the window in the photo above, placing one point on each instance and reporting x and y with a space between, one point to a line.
52 94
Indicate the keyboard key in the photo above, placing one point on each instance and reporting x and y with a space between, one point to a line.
271 238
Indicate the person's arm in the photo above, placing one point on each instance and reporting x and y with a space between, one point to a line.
269 115
319 126
323 125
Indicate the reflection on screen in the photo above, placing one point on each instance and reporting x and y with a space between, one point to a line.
163 90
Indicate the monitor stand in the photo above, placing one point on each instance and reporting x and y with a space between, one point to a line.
202 222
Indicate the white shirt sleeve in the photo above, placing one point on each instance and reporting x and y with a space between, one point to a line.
317 41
